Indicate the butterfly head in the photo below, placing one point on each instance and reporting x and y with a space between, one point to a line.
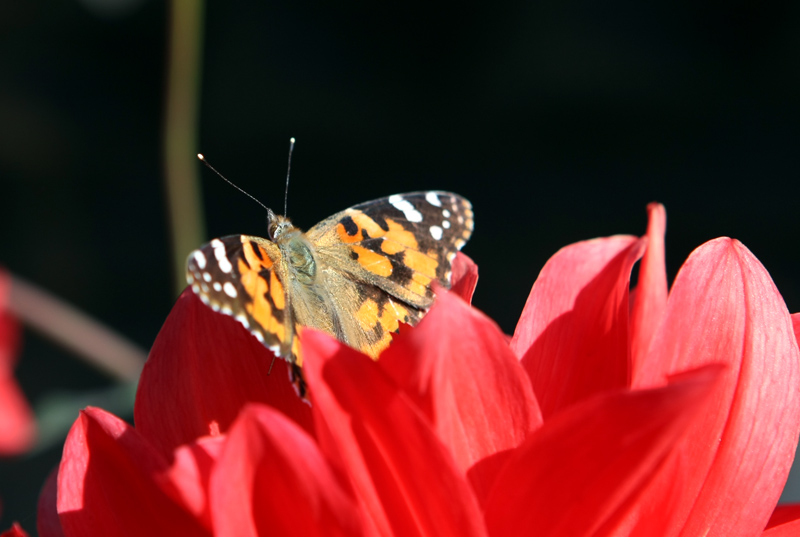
277 225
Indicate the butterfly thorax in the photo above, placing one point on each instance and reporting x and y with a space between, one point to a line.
295 248
299 256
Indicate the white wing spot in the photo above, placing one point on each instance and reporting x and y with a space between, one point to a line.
229 289
436 232
189 279
433 199
446 213
207 276
217 286
411 214
199 258
222 258
446 224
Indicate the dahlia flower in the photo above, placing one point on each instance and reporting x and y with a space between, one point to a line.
609 412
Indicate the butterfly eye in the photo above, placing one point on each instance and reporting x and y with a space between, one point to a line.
272 225
278 226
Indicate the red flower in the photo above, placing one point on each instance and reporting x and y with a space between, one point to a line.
607 414
17 426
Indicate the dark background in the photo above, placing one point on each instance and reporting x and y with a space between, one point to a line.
559 120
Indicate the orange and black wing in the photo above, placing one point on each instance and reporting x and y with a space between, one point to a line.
239 275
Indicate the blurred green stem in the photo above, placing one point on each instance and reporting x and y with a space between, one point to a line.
180 132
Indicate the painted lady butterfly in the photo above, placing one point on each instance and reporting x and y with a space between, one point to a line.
356 275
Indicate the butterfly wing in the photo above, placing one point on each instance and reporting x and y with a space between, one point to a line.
400 243
394 248
240 276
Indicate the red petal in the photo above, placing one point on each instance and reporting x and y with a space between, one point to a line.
406 480
15 531
729 473
107 483
9 328
17 425
458 368
465 277
796 325
203 368
47 521
785 514
581 471
187 480
572 335
273 480
787 529
650 297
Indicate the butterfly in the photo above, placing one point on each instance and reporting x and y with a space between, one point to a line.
356 275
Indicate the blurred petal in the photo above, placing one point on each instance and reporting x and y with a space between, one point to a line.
17 425
406 480
465 277
580 472
650 296
273 480
47 521
729 473
458 368
107 484
572 336
9 328
203 368
15 531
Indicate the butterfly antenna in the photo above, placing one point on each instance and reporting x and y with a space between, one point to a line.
213 169
288 169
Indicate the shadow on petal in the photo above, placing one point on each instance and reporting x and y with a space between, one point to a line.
572 336
404 477
585 468
272 479
203 368
459 370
